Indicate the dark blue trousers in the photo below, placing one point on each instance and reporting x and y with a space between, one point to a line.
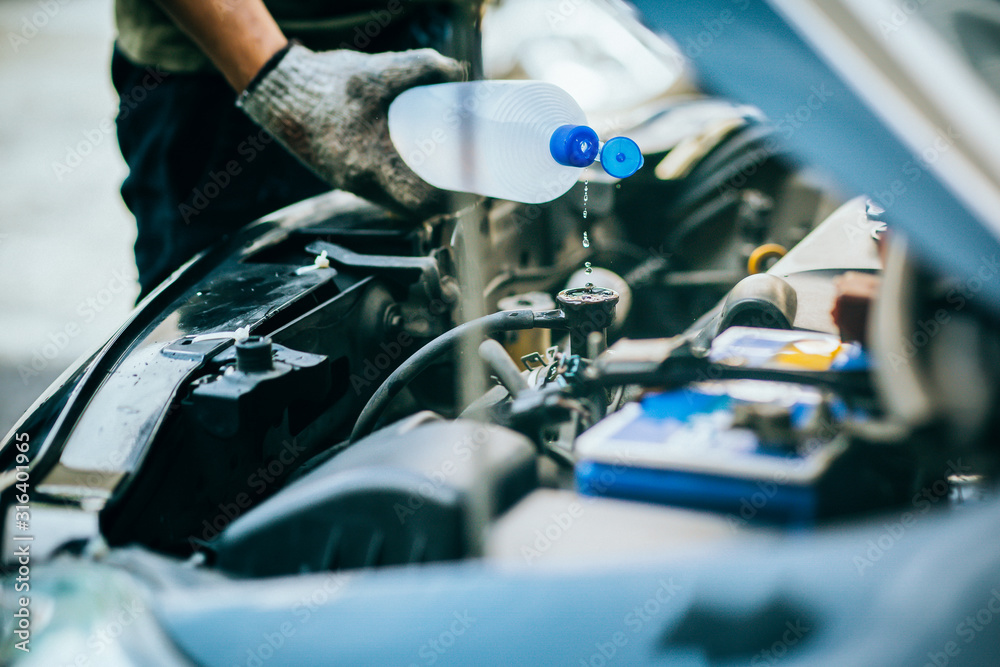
199 168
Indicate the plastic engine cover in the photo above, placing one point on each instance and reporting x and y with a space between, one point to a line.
413 492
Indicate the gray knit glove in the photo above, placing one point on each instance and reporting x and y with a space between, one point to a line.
329 109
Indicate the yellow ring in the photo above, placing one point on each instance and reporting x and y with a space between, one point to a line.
755 264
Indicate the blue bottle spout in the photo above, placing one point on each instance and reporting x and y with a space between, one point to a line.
574 145
578 146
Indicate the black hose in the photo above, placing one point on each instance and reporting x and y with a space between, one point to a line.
508 320
746 148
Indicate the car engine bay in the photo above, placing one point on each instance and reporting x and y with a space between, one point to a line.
297 394
720 358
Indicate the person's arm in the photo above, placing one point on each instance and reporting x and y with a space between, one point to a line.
239 36
329 108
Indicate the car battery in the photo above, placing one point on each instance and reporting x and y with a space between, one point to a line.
758 450
752 347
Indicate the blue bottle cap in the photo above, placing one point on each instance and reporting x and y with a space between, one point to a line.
621 157
574 145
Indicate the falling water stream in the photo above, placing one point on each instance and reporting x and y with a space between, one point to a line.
586 239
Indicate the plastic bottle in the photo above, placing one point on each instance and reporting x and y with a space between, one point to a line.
525 141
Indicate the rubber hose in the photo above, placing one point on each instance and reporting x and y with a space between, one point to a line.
509 320
503 367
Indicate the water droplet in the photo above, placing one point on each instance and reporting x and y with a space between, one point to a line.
589 286
586 241
587 267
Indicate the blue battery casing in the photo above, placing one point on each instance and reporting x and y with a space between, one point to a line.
681 448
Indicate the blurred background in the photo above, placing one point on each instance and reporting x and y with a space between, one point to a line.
67 276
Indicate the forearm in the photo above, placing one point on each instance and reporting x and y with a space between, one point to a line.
239 36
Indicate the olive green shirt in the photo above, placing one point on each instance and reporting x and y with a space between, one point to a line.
147 36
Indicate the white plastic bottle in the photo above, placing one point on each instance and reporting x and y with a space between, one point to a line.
525 141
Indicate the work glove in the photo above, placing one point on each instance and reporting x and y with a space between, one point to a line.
329 109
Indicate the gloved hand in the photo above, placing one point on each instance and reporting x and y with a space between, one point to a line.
330 109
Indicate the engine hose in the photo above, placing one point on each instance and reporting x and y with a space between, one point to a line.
499 361
509 320
744 150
